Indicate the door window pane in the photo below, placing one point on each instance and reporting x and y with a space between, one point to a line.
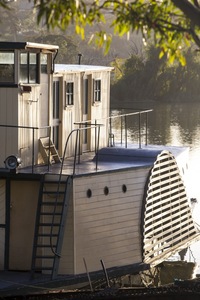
69 93
43 63
28 68
32 67
24 67
56 99
85 104
7 66
97 90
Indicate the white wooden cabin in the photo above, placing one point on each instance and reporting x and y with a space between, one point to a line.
39 99
25 75
84 95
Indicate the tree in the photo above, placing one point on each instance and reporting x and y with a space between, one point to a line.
152 79
172 24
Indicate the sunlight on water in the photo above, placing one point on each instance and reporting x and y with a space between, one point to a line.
174 135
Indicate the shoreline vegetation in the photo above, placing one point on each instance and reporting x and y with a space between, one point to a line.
153 79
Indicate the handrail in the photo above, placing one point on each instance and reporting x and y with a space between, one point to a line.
139 113
135 113
89 124
33 136
77 144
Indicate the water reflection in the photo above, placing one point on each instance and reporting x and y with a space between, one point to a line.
166 122
177 125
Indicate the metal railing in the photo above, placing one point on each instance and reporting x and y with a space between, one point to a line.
33 129
124 119
88 125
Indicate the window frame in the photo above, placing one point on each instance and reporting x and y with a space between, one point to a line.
28 69
97 90
13 81
56 99
69 94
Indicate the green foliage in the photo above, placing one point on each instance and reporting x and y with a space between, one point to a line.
163 21
118 65
154 79
67 53
4 4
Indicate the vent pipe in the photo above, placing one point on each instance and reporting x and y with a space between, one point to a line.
79 58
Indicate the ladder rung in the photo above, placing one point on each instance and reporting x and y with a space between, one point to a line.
44 246
54 192
55 182
45 256
49 224
42 269
51 203
49 146
47 234
50 214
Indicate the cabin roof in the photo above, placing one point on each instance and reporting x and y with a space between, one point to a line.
67 68
142 156
27 45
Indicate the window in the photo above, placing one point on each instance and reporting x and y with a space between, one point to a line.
86 96
7 67
56 87
97 90
43 63
28 68
69 93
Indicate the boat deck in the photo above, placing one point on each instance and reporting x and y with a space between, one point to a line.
13 283
108 159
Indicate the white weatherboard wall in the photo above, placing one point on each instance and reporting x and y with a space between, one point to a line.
71 113
29 115
100 110
8 116
97 111
105 226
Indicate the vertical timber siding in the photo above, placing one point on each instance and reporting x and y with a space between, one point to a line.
29 115
8 116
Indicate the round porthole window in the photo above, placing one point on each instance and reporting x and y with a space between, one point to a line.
89 193
124 188
106 190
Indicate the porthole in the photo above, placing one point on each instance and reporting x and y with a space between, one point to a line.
106 190
124 188
89 193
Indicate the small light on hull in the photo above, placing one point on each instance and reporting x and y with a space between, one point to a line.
12 162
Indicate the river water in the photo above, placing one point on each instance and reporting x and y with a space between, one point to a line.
177 125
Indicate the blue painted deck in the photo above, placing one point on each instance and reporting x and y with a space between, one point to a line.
109 159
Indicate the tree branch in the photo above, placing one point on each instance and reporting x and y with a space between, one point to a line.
190 11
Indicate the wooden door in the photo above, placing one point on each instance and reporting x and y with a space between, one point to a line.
23 205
